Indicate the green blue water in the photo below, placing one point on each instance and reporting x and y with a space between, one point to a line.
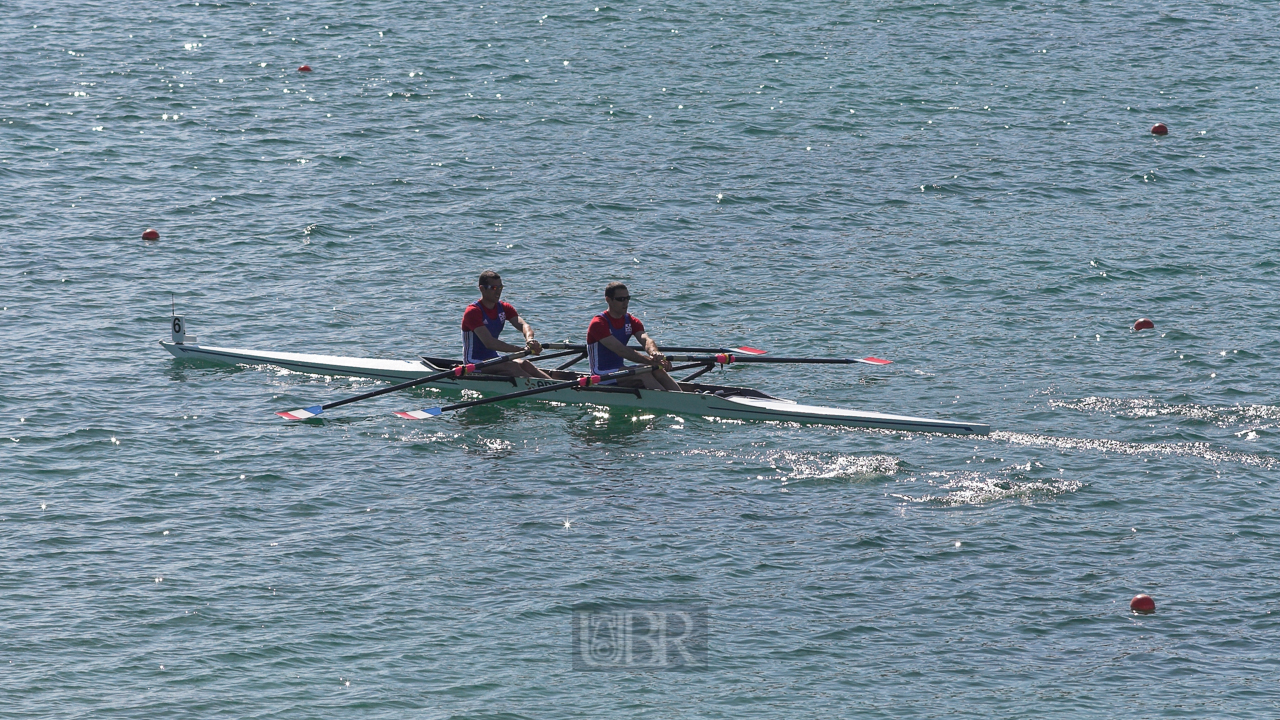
966 188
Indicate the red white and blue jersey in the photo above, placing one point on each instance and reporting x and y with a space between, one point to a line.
604 360
494 320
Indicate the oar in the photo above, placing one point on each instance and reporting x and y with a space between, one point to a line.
752 355
744 350
585 381
728 359
815 361
314 410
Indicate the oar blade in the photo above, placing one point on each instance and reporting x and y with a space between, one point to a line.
877 361
749 350
302 413
424 414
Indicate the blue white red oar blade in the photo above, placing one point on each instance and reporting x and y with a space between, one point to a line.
877 361
302 414
749 351
420 414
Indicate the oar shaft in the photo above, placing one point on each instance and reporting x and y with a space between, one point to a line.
673 348
743 355
732 359
663 348
547 388
580 383
419 381
800 361
511 396
552 356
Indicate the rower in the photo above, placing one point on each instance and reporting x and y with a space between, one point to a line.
483 321
607 337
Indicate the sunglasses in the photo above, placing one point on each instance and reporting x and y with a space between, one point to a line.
492 287
626 298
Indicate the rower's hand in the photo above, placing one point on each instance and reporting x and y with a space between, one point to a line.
659 360
533 346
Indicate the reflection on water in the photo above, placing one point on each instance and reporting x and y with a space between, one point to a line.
479 417
184 369
599 424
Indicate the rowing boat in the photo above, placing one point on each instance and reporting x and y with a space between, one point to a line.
694 399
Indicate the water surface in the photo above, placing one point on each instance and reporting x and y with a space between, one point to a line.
966 188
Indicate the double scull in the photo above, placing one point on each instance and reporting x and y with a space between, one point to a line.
694 399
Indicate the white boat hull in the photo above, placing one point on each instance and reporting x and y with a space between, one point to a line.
701 400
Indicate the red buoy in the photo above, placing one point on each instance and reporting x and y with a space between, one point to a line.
150 234
1142 604
1159 129
1143 324
307 68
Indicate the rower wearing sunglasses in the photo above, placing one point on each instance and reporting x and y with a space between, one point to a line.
483 321
607 337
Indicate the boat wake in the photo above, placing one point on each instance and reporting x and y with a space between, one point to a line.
791 467
795 467
945 488
950 489
1250 417
1028 482
1201 450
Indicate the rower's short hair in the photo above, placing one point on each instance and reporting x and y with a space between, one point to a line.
487 277
612 288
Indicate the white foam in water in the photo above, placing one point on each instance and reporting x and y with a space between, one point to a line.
976 488
822 466
794 467
494 445
1138 408
1191 449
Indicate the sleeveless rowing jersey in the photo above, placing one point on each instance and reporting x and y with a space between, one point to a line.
604 360
494 320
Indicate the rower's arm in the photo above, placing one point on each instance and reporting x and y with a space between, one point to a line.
494 343
612 343
526 329
651 347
